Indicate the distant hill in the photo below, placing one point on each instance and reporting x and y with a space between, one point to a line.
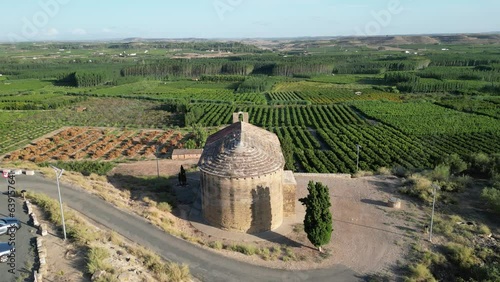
483 38
371 41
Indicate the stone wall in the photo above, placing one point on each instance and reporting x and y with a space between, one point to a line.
250 205
289 192
186 157
184 154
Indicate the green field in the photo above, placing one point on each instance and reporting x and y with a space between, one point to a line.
403 109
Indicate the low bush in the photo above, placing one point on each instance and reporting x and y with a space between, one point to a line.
178 272
461 255
264 253
492 197
483 229
96 260
165 207
289 254
399 171
440 173
418 186
384 171
248 250
420 272
217 245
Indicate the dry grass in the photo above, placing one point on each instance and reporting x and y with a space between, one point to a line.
420 272
216 245
114 238
483 229
165 207
164 272
362 173
85 235
24 165
384 171
419 186
248 250
96 260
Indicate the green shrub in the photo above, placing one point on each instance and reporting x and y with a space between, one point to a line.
244 249
81 233
492 196
440 173
461 255
434 258
463 182
289 254
49 205
490 273
217 245
455 163
399 171
483 229
485 253
480 163
264 253
250 250
420 272
418 186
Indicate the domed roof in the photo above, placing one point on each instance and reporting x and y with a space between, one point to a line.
242 150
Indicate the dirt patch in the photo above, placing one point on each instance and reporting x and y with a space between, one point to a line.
368 236
149 168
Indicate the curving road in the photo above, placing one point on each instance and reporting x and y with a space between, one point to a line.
204 265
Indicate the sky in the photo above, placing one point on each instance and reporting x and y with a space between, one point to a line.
43 20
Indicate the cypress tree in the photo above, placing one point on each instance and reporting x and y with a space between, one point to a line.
182 176
318 219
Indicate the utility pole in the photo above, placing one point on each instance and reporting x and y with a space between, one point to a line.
157 162
59 173
435 187
357 158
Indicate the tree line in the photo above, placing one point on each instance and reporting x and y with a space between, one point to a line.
84 79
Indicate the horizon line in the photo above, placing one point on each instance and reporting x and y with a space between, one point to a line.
249 38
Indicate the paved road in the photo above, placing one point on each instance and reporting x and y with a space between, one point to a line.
204 265
23 237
